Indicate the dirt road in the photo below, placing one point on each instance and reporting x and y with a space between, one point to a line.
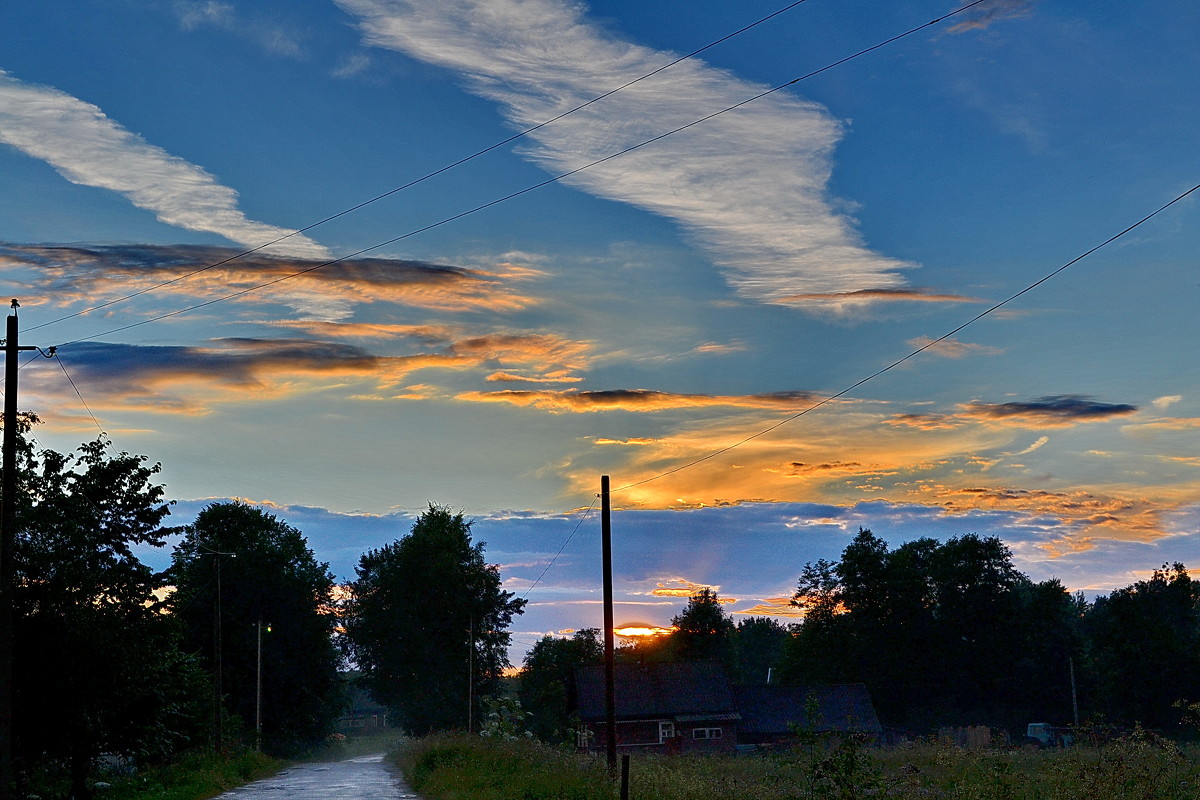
362 778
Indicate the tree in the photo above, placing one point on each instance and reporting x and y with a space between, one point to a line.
97 668
426 623
941 632
1145 643
267 576
703 631
548 681
758 646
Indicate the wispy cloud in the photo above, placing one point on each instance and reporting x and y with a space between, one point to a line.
1041 442
88 148
1051 411
271 36
638 400
87 274
990 12
751 185
952 348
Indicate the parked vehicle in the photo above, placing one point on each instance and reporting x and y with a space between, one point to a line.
1043 734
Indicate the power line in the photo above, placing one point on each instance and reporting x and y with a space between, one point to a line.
582 517
914 353
533 187
58 357
435 173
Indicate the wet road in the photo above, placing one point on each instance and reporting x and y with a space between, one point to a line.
363 778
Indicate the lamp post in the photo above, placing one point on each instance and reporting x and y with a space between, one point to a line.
258 693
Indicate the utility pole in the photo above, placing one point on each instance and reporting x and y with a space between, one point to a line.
8 535
218 677
258 692
1074 695
471 674
610 680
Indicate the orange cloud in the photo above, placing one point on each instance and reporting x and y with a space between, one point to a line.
645 400
1088 516
682 587
554 377
772 607
925 422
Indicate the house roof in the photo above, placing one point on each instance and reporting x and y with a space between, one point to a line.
689 691
774 709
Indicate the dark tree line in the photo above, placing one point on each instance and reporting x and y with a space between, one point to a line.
113 658
941 633
103 664
952 633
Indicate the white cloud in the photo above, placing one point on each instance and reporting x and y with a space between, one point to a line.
88 148
1166 401
269 36
1041 442
750 185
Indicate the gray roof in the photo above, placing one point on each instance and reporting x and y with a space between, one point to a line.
695 691
773 709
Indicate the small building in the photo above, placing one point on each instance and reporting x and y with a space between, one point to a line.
361 714
771 714
684 707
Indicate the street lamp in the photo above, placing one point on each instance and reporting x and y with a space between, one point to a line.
258 694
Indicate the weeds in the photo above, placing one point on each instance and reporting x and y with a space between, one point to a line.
1138 766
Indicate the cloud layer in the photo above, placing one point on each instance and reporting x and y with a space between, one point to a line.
88 148
91 274
750 185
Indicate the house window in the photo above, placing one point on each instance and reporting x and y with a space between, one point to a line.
666 730
707 733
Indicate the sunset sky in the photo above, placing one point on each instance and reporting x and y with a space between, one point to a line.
494 340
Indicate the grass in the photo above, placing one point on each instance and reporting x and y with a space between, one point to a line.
193 777
202 775
1140 766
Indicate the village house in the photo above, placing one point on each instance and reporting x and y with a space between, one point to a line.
671 708
692 707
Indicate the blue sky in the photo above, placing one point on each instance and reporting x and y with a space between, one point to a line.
641 314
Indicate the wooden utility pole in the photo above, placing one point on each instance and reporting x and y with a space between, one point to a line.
610 681
8 535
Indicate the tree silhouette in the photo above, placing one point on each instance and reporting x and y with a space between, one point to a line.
96 667
268 575
547 688
703 631
426 624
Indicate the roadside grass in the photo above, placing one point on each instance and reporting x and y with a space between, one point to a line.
201 775
1140 766
195 776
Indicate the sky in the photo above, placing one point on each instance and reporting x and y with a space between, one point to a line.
347 258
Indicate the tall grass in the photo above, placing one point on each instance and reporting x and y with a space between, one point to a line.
1140 766
195 776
